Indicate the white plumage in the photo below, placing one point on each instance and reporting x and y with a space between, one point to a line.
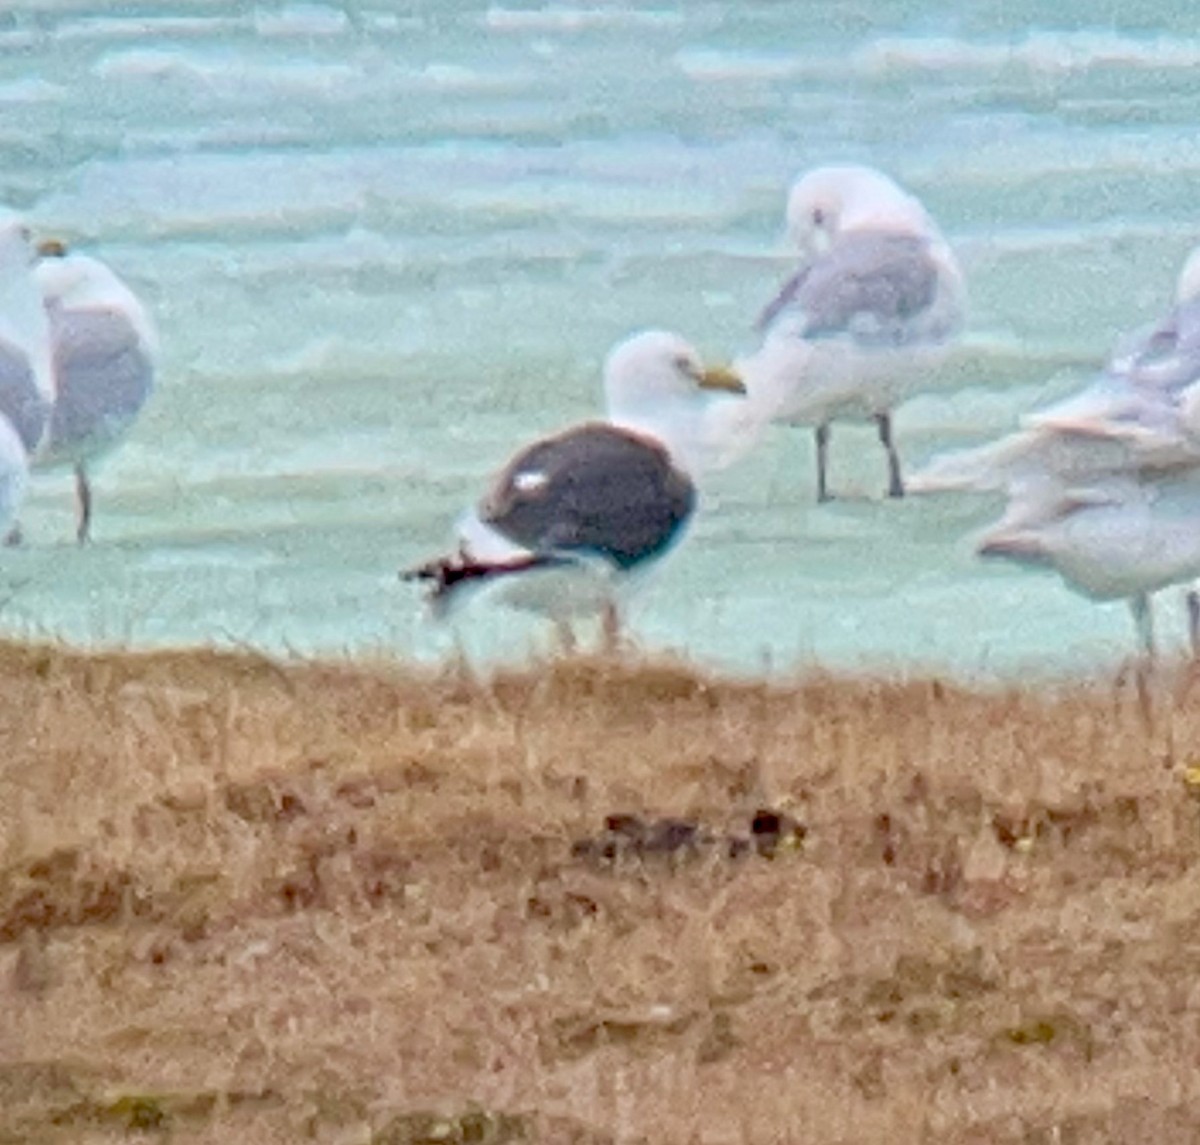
26 372
1104 487
874 306
104 346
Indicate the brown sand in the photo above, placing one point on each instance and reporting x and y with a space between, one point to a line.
246 902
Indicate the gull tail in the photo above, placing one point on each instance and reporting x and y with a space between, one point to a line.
448 576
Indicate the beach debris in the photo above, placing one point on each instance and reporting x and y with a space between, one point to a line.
627 836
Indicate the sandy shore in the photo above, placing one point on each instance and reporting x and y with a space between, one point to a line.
591 901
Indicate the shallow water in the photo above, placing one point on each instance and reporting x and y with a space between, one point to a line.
384 244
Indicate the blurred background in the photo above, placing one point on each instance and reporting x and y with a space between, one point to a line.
385 244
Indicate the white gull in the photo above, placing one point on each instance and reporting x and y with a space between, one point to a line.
1104 486
104 345
872 310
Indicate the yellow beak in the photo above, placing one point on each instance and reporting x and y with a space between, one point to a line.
52 248
723 378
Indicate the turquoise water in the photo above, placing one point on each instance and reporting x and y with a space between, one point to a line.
385 244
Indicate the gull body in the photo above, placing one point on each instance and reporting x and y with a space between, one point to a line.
14 475
26 371
577 519
104 347
1123 538
1104 486
874 306
1147 399
1142 411
26 366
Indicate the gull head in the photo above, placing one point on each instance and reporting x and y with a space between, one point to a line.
655 382
828 201
16 243
72 279
76 281
656 368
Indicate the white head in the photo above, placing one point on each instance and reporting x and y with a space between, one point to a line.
831 200
655 382
78 282
23 323
16 244
1187 286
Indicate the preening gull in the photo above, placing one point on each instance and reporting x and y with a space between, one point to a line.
1104 486
104 348
874 306
576 518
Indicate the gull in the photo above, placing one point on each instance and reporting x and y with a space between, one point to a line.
1121 538
576 519
26 369
1147 399
104 346
875 305
1104 486
1142 410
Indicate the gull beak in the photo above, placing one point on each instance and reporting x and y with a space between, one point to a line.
52 248
721 378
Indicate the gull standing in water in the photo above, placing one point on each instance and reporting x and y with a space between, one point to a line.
1104 487
874 306
26 370
576 519
104 347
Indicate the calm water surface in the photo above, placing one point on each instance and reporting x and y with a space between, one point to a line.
385 243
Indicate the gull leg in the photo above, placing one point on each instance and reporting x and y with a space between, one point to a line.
1193 611
14 536
567 644
1143 617
822 461
83 505
610 629
895 481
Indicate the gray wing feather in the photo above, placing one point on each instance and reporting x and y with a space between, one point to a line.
592 489
20 399
1169 355
867 285
104 378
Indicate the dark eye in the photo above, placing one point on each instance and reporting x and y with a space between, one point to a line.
818 217
684 364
